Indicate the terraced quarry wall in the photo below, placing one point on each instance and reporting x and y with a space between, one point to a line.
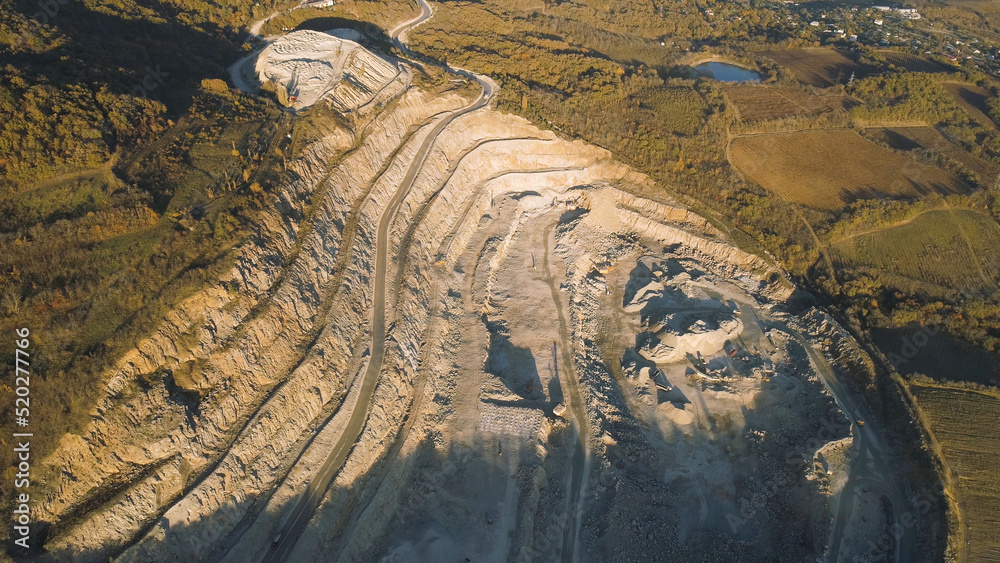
494 418
279 359
246 349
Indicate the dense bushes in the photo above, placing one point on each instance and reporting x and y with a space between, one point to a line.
383 16
918 97
903 97
82 80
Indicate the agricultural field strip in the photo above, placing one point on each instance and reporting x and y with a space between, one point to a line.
766 159
920 249
968 242
961 422
977 113
931 139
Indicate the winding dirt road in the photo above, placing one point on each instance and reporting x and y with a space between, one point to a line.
869 469
581 460
307 504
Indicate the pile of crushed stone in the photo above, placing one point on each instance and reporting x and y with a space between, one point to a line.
312 65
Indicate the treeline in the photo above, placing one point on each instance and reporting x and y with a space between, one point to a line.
903 97
128 172
464 34
80 81
878 300
916 97
46 130
91 265
345 13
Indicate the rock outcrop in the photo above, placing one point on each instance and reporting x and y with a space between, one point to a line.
309 66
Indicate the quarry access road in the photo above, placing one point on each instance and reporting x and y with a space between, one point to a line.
869 468
297 520
581 460
425 14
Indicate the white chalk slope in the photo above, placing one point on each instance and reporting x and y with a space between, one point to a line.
313 65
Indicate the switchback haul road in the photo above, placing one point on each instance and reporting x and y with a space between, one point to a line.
302 512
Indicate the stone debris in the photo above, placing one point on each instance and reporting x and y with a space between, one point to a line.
311 66
510 421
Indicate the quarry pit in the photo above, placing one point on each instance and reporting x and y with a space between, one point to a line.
575 365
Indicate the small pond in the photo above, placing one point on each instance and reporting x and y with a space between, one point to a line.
725 72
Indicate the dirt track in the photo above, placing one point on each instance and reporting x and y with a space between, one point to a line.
317 487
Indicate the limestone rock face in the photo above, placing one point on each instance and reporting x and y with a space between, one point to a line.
282 360
311 65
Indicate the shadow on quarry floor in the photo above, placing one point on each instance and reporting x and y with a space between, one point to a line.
192 530
555 388
457 503
447 504
675 397
572 215
514 365
463 502
522 403
667 300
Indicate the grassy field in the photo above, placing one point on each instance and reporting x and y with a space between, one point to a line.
958 249
819 67
681 110
828 169
973 99
911 62
964 424
757 102
908 138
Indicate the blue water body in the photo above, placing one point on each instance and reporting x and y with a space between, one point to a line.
724 72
